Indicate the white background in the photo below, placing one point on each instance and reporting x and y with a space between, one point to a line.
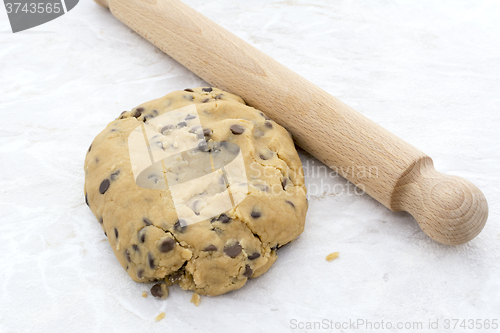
429 71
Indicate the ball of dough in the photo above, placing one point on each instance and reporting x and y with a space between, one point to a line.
178 207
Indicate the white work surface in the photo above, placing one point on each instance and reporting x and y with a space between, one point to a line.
429 71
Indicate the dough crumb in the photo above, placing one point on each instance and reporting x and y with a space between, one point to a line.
196 299
144 294
160 316
332 256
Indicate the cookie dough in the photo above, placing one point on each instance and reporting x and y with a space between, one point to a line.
196 188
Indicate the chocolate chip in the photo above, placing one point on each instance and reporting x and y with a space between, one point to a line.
90 147
182 124
203 146
261 187
255 214
197 207
207 132
233 250
136 247
147 117
210 248
268 124
115 175
142 238
209 89
248 271
122 115
140 109
101 221
104 186
265 117
218 231
230 147
189 90
167 245
127 256
290 203
223 218
197 130
262 157
116 233
156 290
237 129
284 183
205 100
165 128
254 255
175 276
180 226
140 272
151 260
86 200
219 96
190 116
136 114
274 248
188 97
147 222
105 234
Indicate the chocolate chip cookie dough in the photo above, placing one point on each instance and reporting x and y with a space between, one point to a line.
164 223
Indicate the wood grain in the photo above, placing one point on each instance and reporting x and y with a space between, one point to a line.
449 209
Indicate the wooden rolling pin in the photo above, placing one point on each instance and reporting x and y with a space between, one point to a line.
450 209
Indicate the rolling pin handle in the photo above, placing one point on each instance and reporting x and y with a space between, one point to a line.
449 209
